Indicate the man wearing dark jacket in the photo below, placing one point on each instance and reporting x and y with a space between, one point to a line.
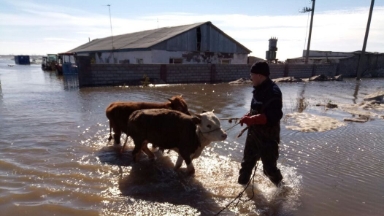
263 123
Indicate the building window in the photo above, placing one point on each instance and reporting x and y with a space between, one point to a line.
225 61
139 61
175 61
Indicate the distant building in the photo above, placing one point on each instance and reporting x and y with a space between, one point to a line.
22 60
322 57
253 59
199 43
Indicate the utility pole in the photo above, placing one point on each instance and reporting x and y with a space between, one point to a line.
312 10
362 55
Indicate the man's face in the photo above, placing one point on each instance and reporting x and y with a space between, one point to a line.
255 79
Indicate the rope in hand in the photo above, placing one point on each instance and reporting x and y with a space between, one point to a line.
237 123
238 197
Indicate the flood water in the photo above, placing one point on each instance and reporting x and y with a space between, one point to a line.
55 158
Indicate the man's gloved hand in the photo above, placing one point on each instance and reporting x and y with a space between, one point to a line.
255 119
248 113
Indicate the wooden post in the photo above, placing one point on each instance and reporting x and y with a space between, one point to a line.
310 32
362 56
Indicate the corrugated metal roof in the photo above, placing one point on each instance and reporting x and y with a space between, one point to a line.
139 40
136 40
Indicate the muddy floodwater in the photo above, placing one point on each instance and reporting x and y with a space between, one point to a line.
55 158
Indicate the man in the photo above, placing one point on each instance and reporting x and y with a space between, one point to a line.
263 121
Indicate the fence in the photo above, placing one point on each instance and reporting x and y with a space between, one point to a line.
133 74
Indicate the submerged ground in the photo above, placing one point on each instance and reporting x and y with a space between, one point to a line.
55 158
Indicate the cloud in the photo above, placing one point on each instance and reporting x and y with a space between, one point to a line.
58 29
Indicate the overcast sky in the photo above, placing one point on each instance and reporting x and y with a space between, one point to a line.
41 27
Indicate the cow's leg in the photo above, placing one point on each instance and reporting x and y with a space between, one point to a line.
190 168
117 135
179 162
137 150
125 143
145 149
110 131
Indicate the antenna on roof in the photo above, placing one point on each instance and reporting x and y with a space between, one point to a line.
110 21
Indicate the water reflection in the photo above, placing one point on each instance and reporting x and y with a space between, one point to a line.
356 92
1 93
71 82
301 104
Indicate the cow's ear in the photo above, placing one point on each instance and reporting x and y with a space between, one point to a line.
170 99
196 119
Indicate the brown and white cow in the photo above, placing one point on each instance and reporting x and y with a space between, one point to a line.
169 129
119 112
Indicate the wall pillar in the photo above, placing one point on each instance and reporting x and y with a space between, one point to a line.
286 70
84 70
313 70
213 73
163 72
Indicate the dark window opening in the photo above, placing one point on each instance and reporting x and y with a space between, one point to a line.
198 36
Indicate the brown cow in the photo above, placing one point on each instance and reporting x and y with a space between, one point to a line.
119 112
169 129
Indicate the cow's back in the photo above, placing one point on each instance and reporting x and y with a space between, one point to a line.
165 128
119 112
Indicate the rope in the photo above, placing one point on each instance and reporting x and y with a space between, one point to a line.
230 121
232 127
238 197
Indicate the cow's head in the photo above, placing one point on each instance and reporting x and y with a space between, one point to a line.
179 104
209 126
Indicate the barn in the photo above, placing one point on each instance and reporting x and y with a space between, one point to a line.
198 43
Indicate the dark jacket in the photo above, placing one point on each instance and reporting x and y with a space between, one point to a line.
267 99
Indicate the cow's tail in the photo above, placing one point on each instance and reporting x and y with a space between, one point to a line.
110 132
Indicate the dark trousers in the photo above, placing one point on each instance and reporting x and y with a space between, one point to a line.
267 151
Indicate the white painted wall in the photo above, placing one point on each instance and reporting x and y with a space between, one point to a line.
240 59
161 57
132 56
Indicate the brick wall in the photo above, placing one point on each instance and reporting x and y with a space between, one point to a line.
277 70
348 67
132 74
117 74
328 70
188 73
226 73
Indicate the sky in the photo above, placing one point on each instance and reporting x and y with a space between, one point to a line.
39 27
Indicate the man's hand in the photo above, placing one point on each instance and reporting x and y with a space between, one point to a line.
255 119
